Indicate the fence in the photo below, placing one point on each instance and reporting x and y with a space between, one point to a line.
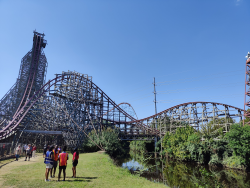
5 150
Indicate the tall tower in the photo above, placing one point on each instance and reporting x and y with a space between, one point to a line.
247 91
30 79
32 70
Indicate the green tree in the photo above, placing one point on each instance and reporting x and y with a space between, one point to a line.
214 128
239 141
107 139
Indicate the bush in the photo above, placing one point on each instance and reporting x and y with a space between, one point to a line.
186 145
231 150
239 141
234 162
108 139
182 144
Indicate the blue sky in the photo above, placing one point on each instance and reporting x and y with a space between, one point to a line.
195 49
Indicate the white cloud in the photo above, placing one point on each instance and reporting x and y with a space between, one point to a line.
237 2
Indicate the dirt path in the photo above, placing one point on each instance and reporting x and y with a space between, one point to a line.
11 164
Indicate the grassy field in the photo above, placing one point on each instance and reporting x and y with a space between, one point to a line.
93 170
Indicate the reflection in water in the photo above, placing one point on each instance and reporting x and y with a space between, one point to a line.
182 174
133 165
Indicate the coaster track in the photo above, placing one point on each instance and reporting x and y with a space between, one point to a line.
70 106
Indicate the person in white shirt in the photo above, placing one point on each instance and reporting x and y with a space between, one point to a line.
24 148
18 152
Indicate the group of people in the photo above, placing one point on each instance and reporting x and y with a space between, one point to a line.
28 150
53 155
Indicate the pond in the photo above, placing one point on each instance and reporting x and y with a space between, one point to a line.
182 174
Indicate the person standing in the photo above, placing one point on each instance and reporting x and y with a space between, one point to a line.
28 152
63 157
24 148
18 152
44 150
34 151
59 149
55 153
49 157
75 162
31 151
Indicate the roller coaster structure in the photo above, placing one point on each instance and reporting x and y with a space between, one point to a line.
68 107
247 90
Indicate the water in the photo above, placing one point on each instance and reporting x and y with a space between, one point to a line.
183 174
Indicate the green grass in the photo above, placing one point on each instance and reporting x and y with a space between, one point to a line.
93 170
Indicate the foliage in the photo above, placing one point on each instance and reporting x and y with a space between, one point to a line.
177 145
231 150
234 162
142 146
239 140
139 146
205 181
247 119
107 139
214 128
166 123
211 128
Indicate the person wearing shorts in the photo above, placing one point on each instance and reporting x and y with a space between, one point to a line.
28 152
49 159
63 157
75 162
55 153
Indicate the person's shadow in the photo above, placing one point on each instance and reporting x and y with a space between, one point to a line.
78 180
85 179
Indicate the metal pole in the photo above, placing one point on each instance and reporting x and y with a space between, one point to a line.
155 98
155 117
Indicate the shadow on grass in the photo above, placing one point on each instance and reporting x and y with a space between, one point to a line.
84 177
6 163
1 165
78 180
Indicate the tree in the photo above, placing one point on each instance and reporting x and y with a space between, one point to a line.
215 127
239 141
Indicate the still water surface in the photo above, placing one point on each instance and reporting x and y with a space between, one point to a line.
183 174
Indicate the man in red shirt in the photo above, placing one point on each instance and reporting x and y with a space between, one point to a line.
63 157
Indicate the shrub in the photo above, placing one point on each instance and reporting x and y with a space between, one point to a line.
108 139
234 162
239 141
